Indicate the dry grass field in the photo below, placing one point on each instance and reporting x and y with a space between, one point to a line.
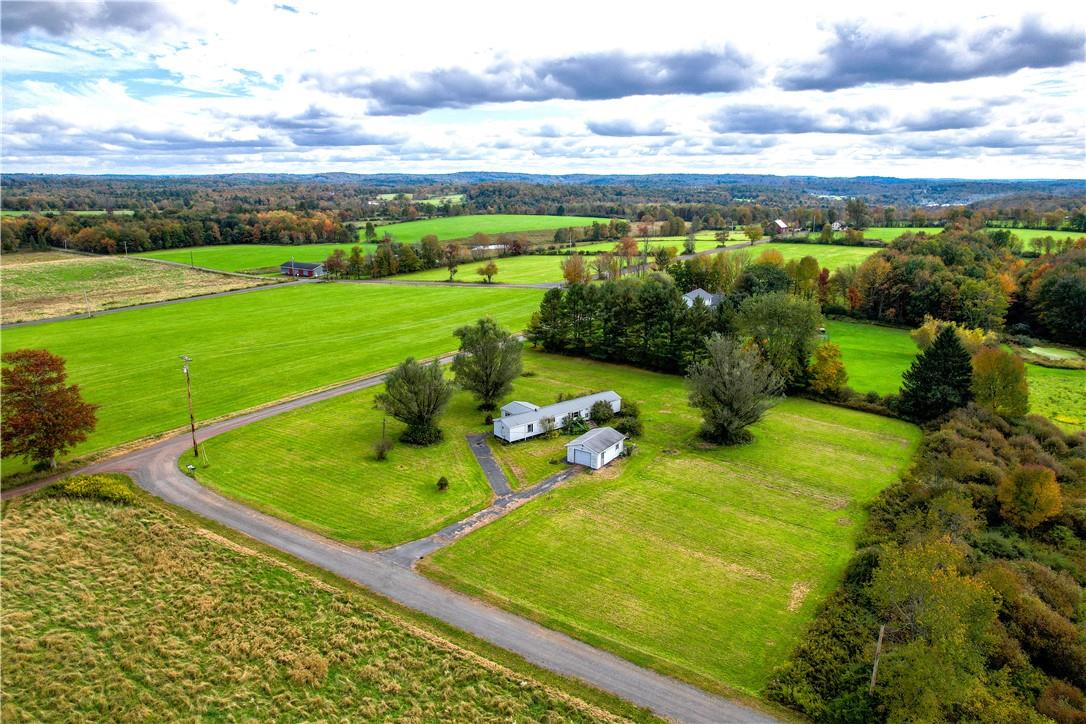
39 285
128 612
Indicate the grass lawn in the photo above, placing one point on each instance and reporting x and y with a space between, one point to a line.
828 255
36 285
461 227
254 348
706 563
530 269
133 612
1027 235
251 258
316 467
887 233
703 242
1058 394
876 357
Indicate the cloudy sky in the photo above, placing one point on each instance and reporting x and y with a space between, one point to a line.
964 90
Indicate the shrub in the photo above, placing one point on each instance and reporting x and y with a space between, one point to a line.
442 484
631 426
576 426
602 412
1063 703
1029 496
630 409
111 488
382 447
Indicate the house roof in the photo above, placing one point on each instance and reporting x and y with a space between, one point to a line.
711 300
518 406
300 265
781 224
560 408
597 440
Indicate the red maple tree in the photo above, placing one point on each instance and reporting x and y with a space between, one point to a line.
42 415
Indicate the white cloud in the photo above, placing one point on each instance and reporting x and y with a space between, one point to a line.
249 86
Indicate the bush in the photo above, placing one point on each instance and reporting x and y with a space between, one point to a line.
602 412
110 488
630 409
382 447
1029 496
1063 703
442 484
631 426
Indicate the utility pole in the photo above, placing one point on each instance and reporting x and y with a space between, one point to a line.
192 261
125 242
188 390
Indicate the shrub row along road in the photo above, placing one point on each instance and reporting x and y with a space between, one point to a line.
155 469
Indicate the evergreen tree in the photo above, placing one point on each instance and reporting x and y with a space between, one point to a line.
939 380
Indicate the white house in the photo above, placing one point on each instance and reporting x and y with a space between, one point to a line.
596 447
711 300
521 420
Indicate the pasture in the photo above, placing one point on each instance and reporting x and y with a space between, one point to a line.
706 563
91 212
38 285
316 467
251 258
876 357
829 256
131 612
1028 235
885 233
254 348
449 228
530 269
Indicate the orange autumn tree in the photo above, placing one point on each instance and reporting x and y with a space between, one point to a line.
1029 496
43 416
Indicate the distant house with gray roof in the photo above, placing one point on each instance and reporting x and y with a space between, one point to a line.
710 300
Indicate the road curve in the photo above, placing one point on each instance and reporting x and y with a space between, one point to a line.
155 469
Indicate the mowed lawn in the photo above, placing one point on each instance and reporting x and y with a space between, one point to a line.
530 269
703 562
254 348
316 467
130 613
251 258
876 357
38 285
829 256
461 227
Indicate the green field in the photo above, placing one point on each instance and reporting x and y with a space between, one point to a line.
876 357
254 348
461 227
38 285
1026 235
133 613
532 269
888 233
828 255
251 258
439 200
704 562
316 467
1058 394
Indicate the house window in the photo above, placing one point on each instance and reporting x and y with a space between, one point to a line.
531 428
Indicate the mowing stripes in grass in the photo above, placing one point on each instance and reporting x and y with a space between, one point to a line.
704 562
254 348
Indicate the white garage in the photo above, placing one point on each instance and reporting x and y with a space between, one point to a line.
596 447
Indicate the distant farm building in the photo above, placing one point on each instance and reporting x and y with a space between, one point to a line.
522 420
301 269
779 227
711 300
596 447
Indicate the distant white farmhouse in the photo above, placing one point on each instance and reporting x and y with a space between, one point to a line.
711 300
521 420
596 447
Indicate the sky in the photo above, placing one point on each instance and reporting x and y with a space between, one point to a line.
948 90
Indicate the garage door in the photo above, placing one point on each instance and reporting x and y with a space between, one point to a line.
582 457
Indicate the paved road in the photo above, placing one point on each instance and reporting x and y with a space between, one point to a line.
155 469
495 476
